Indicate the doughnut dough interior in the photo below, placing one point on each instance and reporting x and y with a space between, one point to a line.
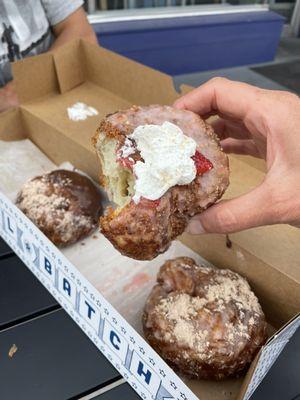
119 181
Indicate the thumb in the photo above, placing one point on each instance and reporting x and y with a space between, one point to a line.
247 211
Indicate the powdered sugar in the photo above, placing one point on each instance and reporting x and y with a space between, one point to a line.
80 111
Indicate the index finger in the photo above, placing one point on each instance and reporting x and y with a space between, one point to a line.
220 96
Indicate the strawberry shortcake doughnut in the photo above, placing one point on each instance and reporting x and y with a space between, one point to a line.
160 166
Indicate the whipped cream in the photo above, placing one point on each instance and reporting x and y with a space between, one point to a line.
127 149
167 153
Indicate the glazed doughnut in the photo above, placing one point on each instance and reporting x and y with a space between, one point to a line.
145 228
65 205
205 322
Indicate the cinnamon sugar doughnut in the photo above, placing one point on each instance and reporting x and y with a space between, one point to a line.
65 205
205 322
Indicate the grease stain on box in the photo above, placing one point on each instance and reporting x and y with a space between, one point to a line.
137 281
240 256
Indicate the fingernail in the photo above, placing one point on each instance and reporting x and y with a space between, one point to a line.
195 228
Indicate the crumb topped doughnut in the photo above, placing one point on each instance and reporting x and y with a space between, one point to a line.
65 205
205 322
160 166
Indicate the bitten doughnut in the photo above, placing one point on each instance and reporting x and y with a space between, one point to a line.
160 166
205 322
65 205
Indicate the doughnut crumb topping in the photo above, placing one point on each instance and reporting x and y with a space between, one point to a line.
204 320
62 202
181 309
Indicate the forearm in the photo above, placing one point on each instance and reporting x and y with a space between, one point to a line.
70 34
74 27
8 97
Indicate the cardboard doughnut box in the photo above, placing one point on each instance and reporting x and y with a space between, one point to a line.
81 278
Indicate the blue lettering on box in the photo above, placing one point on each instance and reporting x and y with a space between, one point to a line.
145 373
47 266
90 310
114 339
67 287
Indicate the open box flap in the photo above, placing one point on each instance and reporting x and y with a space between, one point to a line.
82 72
128 79
35 77
70 66
80 61
11 127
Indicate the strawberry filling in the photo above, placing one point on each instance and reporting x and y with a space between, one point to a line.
127 162
149 203
202 163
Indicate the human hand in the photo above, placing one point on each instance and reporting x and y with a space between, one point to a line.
8 97
261 123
